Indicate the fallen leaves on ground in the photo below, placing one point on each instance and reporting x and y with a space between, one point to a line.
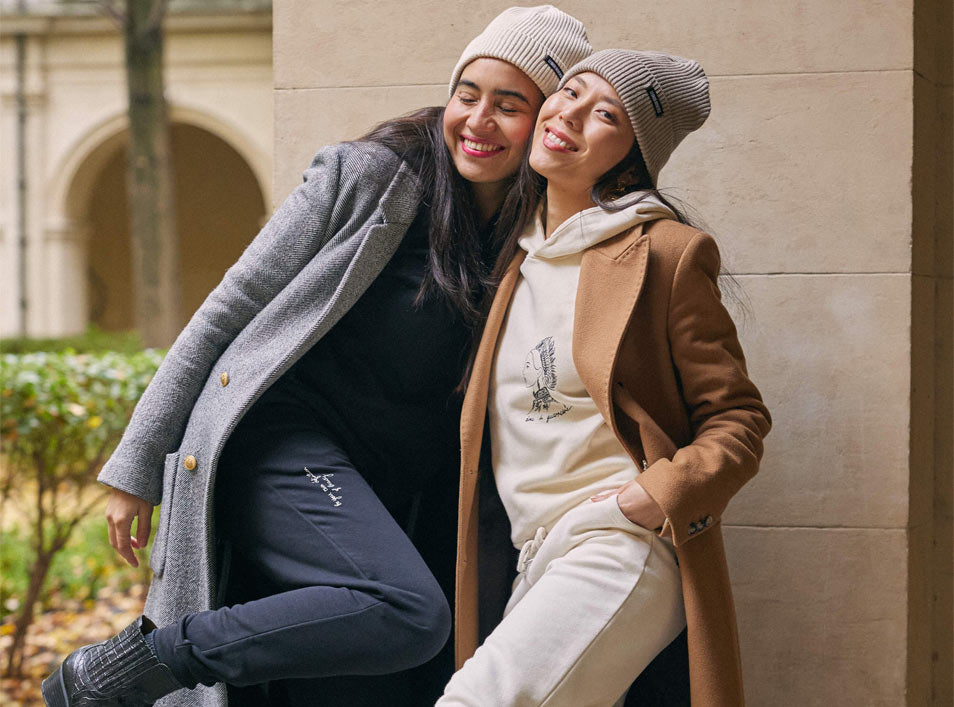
54 634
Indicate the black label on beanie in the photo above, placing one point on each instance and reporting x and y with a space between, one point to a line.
553 65
654 97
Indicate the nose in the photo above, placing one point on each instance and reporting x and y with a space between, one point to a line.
572 116
481 116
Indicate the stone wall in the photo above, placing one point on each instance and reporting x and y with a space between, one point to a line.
825 173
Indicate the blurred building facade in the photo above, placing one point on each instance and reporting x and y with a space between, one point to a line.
825 173
63 102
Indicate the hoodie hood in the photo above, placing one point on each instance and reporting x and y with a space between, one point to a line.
589 227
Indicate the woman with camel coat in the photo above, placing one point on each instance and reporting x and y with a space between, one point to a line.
658 356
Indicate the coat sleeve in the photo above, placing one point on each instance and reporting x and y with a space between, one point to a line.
726 413
300 227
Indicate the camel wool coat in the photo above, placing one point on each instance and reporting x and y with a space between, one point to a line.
659 354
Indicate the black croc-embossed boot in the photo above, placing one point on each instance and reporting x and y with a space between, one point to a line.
120 671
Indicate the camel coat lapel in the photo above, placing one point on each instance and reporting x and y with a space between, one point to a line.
473 414
612 271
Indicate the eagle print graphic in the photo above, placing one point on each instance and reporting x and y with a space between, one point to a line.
540 376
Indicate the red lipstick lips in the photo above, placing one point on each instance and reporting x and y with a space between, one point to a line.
479 148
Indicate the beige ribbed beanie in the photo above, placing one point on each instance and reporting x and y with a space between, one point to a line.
542 41
666 97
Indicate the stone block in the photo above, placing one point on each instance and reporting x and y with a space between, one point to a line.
806 173
310 119
822 615
788 182
832 357
364 43
740 37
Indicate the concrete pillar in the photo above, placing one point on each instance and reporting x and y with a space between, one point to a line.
65 263
35 96
825 173
9 276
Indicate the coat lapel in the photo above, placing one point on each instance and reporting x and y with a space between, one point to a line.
475 401
473 414
611 279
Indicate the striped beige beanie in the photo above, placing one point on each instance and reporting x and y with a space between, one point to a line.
666 97
542 41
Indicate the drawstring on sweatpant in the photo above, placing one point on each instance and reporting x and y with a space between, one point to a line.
530 550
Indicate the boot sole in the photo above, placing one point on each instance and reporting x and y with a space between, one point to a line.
54 690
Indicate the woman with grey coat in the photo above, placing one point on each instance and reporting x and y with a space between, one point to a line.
308 406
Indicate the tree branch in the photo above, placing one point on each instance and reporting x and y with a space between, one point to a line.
113 13
88 508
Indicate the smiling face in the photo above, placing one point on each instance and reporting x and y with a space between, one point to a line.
489 119
581 133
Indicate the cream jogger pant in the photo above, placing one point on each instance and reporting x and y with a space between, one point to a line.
596 599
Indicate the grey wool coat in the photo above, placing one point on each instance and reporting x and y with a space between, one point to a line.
314 258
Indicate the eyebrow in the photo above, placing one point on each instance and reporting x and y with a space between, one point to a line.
604 97
497 92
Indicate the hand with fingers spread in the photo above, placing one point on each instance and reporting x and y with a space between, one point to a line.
637 505
121 509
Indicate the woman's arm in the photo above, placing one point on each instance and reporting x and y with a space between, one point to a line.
725 408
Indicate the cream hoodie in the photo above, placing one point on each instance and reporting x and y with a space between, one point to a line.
551 447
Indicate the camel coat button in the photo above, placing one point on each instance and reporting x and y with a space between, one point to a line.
189 462
224 378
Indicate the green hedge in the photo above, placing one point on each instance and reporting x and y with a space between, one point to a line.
91 340
62 415
62 410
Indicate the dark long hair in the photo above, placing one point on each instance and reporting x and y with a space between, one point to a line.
463 266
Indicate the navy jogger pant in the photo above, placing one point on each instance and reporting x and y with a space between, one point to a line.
318 577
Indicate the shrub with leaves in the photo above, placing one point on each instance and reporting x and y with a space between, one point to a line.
63 414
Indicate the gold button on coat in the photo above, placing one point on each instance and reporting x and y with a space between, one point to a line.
224 378
189 462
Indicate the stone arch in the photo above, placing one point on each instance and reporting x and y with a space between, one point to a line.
221 203
87 153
